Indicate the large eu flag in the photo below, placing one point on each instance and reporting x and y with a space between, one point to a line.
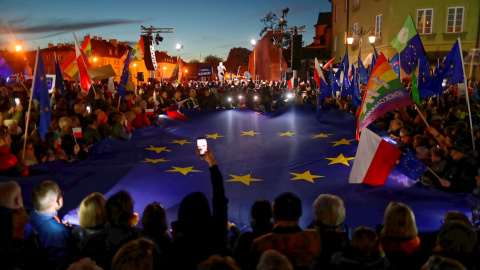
40 92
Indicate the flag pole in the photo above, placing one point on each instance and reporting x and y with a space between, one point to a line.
30 105
421 115
466 91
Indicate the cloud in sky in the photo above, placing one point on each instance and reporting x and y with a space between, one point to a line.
58 26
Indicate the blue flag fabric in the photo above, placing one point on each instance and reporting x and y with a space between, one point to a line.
333 81
40 92
362 71
59 83
374 60
410 55
411 166
260 156
395 64
5 69
325 90
122 87
356 97
476 97
375 53
451 70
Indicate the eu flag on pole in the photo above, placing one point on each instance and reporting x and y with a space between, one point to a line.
451 70
333 82
409 45
362 71
356 97
122 87
395 64
40 92
59 78
411 166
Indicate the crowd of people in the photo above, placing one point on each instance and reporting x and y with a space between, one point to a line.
203 237
108 238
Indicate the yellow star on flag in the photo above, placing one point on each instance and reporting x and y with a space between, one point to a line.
249 133
181 142
42 78
46 109
340 159
288 133
305 176
154 160
342 141
158 149
183 170
321 135
246 179
213 136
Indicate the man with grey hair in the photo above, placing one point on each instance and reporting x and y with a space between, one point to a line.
65 124
54 236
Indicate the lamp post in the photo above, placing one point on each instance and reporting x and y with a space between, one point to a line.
361 33
254 42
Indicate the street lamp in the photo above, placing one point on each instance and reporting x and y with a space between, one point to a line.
18 47
254 42
361 33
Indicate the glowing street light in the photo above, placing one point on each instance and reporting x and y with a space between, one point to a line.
18 47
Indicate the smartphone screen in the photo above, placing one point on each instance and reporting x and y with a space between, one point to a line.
89 109
17 101
202 146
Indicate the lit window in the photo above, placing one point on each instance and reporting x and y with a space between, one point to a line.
378 25
455 19
424 21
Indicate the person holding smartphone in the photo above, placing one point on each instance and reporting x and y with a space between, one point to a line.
202 232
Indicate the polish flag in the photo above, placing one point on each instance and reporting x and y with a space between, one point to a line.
77 132
374 160
290 84
83 76
148 111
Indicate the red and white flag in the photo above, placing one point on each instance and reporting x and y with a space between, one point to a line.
85 81
302 84
148 111
374 160
290 84
77 132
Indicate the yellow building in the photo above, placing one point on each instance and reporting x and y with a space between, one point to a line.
439 23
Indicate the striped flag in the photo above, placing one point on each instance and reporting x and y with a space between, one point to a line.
77 132
137 52
70 66
85 81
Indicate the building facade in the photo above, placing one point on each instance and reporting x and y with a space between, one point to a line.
439 23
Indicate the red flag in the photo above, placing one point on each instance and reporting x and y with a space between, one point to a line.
290 84
329 63
374 160
148 111
77 132
85 81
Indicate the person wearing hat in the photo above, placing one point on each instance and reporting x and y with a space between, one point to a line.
302 247
460 172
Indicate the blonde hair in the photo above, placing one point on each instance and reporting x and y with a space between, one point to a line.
329 210
44 194
137 254
399 222
92 211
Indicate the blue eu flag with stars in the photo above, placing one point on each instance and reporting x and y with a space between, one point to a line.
122 87
40 92
411 166
410 55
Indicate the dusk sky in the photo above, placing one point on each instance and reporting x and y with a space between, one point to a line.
203 27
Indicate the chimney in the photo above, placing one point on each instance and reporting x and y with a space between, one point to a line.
94 37
50 45
113 42
99 38
59 45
